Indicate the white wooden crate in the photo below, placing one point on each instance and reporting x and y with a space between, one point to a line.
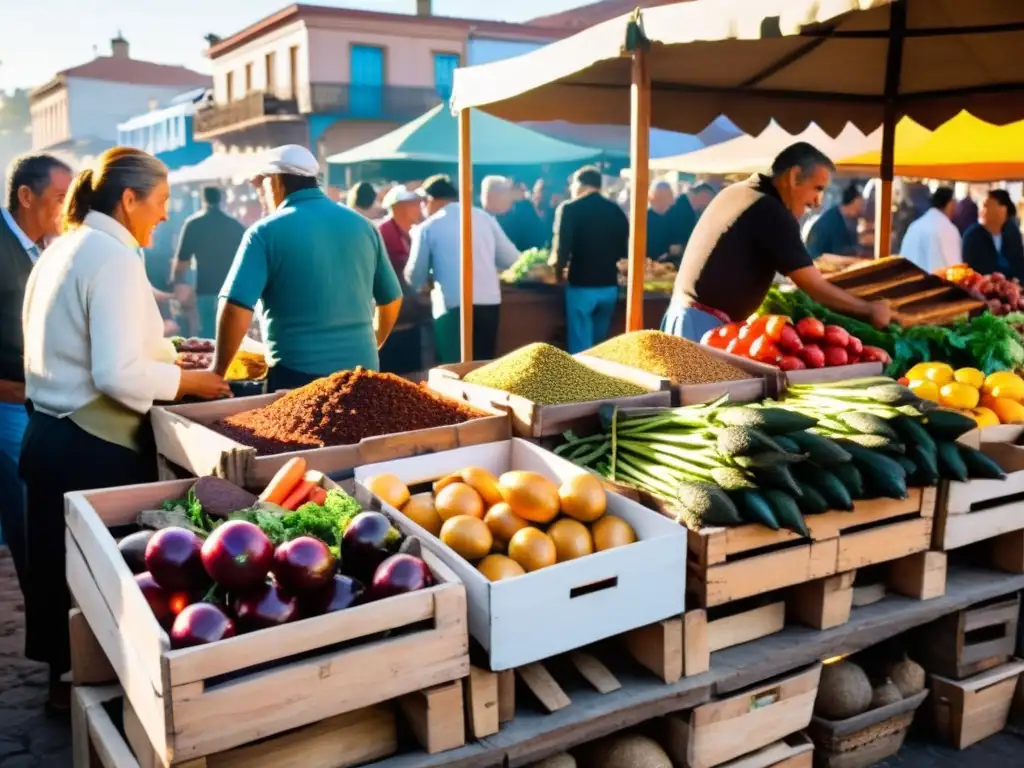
568 605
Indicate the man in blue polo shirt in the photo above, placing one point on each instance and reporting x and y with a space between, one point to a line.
330 295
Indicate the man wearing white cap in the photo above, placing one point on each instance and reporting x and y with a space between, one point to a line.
403 351
404 212
318 267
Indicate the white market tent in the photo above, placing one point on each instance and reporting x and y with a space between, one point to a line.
751 154
221 165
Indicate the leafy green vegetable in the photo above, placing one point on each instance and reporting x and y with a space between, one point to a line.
529 258
192 509
326 522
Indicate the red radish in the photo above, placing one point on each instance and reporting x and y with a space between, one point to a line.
764 350
836 336
875 355
812 356
789 340
791 363
810 329
836 356
852 359
855 347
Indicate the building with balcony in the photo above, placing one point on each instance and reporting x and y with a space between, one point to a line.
78 111
335 78
168 131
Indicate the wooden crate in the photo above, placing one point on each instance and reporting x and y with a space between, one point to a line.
571 604
199 701
796 751
184 438
728 564
723 730
865 739
356 738
531 420
967 711
974 640
980 510
739 391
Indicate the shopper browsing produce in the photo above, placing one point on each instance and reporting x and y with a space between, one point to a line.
748 233
319 268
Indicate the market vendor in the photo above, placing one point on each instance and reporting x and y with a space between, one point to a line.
320 269
748 233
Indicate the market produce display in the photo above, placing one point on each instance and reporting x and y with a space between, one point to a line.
224 562
512 524
809 343
772 463
990 400
663 354
1000 293
531 267
987 342
659 276
342 409
549 376
197 354
846 690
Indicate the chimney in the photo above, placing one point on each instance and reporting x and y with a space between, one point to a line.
119 47
423 8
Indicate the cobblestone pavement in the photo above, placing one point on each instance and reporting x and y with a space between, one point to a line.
29 739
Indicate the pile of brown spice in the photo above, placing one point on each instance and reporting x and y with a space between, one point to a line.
677 359
342 409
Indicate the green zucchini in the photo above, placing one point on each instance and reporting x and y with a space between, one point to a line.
951 463
867 424
912 433
850 476
821 450
743 441
872 442
882 475
771 421
708 504
786 444
827 485
909 467
786 511
731 479
754 508
767 459
980 464
810 501
777 476
944 424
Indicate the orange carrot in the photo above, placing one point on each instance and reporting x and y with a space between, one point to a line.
318 496
284 482
299 495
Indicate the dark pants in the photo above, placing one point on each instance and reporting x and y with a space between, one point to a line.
280 377
59 457
403 351
448 334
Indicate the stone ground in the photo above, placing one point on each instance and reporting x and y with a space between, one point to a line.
29 739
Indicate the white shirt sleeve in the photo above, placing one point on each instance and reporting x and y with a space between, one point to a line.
950 245
123 364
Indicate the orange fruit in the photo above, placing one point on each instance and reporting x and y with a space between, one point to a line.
583 497
572 539
985 417
459 499
389 488
498 567
533 549
483 482
531 495
469 536
421 510
1008 411
503 522
611 531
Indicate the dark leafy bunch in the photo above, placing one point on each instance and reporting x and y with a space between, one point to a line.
986 342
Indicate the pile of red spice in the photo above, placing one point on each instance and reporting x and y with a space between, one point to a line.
342 409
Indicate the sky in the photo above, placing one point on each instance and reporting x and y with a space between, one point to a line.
40 37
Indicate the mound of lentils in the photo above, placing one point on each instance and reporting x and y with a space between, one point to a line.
663 354
548 376
342 409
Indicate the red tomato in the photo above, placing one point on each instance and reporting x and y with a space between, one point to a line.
730 331
764 350
757 324
713 339
739 346
773 328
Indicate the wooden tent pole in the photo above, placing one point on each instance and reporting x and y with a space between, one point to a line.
466 236
639 153
893 70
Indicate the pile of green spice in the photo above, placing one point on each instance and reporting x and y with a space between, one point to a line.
548 376
663 354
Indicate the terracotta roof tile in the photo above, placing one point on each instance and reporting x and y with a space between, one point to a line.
122 70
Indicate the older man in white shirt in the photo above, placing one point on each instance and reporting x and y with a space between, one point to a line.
435 253
933 241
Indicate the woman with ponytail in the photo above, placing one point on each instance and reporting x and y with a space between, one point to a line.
95 362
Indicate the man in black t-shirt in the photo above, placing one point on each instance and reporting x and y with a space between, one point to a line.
747 234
